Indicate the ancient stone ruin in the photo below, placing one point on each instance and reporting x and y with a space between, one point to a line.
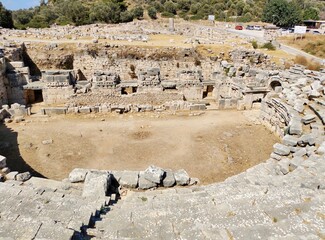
281 198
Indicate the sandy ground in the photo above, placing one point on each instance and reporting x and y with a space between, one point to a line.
212 146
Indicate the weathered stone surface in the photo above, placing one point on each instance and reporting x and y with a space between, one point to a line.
301 152
96 184
128 179
145 184
290 140
308 119
281 149
169 179
153 174
181 177
78 175
23 176
3 162
12 175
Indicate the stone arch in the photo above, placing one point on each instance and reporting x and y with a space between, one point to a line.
275 82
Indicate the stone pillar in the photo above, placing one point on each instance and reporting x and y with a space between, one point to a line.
171 25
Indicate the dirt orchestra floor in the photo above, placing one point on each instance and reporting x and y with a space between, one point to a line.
211 146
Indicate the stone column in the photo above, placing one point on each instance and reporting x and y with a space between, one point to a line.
171 25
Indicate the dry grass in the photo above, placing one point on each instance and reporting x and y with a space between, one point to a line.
311 65
312 44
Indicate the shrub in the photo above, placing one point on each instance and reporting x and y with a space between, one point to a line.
167 15
152 12
311 65
254 44
301 60
269 46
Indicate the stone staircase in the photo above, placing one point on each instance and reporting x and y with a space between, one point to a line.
46 209
218 211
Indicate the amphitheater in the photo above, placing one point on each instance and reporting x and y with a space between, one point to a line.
157 131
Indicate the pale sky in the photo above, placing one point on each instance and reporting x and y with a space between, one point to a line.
18 4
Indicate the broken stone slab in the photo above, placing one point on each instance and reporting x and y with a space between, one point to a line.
281 149
23 177
145 184
11 175
295 162
78 175
275 156
308 119
301 152
3 162
295 128
127 179
283 166
321 148
154 174
96 184
194 181
307 139
169 179
5 170
290 140
181 177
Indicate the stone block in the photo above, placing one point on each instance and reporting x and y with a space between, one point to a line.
78 175
11 175
290 140
96 184
308 119
3 162
145 184
128 179
154 174
169 179
181 177
301 152
23 177
281 149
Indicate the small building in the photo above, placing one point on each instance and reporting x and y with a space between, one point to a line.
315 24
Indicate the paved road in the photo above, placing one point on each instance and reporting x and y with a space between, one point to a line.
259 36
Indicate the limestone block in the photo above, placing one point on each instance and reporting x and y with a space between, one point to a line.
281 149
169 179
145 184
284 166
295 128
154 174
301 152
290 140
96 184
11 175
308 119
3 162
321 149
181 177
22 177
128 179
78 175
295 162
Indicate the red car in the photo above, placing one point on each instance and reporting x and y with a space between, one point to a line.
238 27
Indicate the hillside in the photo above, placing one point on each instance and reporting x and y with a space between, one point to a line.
80 12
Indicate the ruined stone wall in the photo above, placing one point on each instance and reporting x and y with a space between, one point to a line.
57 95
3 92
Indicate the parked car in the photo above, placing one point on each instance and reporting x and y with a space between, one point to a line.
258 28
238 27
315 32
250 27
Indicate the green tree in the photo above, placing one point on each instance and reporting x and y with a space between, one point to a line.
281 13
311 13
170 7
106 12
5 17
137 12
152 12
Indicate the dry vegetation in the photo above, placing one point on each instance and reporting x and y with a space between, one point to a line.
311 65
313 44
